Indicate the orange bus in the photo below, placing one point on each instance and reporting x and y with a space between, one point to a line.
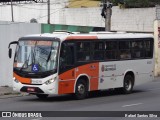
68 63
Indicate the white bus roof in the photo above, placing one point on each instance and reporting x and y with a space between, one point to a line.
93 35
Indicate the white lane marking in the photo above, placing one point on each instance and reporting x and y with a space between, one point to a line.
132 105
37 119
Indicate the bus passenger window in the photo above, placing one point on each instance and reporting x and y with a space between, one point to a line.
125 54
83 51
137 49
148 48
98 50
124 50
66 55
110 50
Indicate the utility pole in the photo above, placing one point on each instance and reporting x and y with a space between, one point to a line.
106 13
48 11
12 11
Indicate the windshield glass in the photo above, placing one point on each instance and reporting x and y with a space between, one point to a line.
36 56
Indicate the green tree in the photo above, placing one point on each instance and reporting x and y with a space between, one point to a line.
135 3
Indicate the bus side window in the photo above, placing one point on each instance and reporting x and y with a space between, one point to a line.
98 50
66 56
124 50
83 51
148 48
137 49
110 50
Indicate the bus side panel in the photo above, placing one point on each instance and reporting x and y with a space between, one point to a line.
108 75
92 71
67 79
66 87
66 82
145 72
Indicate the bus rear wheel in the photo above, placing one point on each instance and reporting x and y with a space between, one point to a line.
128 84
81 90
42 96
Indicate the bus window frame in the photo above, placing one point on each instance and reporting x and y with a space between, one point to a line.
90 49
93 50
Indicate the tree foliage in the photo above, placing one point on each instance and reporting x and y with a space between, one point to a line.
136 3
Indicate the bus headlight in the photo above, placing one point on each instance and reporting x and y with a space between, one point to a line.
15 80
50 81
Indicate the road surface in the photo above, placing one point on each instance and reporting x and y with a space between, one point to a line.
144 98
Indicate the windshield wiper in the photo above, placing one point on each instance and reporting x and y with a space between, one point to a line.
34 58
49 53
26 62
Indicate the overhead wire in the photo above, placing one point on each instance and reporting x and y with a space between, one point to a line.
40 9
59 10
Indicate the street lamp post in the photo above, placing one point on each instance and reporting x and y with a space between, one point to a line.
48 11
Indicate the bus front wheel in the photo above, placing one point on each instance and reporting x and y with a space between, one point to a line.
81 90
128 84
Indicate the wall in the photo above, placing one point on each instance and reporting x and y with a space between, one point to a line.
135 19
157 46
139 19
157 12
50 28
11 32
25 12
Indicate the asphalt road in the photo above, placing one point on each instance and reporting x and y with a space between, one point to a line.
144 98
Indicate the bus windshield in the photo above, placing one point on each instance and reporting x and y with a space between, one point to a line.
36 56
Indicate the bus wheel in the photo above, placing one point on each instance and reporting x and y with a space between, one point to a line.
81 90
42 96
128 84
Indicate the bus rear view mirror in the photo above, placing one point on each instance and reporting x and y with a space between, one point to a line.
10 53
10 50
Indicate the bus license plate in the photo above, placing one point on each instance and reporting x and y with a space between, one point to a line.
31 89
36 81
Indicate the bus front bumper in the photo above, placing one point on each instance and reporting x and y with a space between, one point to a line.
36 89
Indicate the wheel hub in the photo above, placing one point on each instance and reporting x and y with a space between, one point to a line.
81 89
128 85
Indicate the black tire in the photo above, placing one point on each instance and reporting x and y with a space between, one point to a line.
81 91
42 96
128 84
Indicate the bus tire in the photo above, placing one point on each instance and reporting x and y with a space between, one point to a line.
42 96
81 89
128 84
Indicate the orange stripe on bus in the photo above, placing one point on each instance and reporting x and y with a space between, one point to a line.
91 70
22 79
81 37
65 87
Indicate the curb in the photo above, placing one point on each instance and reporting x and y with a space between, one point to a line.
8 91
12 95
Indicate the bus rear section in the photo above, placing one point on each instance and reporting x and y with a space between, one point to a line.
76 64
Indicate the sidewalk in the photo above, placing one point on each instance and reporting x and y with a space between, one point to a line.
5 90
156 78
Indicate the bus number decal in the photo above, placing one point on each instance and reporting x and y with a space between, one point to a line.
108 67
